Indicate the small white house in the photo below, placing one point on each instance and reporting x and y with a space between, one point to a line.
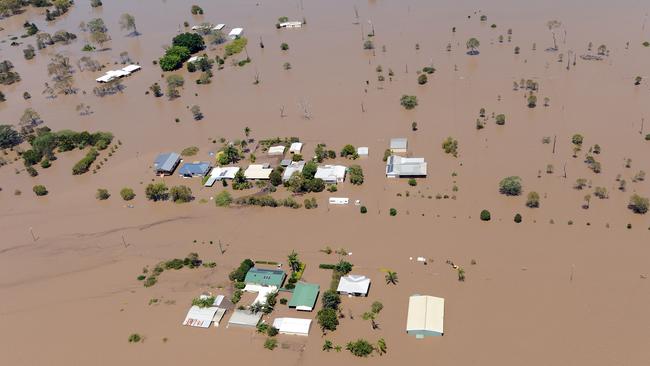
221 173
236 33
219 27
294 167
293 24
398 145
276 150
362 151
295 148
355 285
292 326
258 171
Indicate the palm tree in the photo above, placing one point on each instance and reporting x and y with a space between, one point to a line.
472 45
247 131
381 346
461 274
256 307
294 262
391 278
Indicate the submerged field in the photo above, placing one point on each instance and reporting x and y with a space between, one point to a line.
567 283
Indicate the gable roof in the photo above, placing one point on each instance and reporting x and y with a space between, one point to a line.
331 173
166 162
294 167
304 296
294 326
400 143
354 284
197 168
407 167
245 318
265 277
426 313
258 171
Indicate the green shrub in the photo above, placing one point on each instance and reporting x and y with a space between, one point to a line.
360 348
223 199
327 319
356 174
408 101
181 194
284 46
413 182
485 215
517 218
239 274
363 209
135 338
102 194
156 191
46 163
236 46
84 164
501 119
127 194
393 212
422 79
40 190
270 343
510 186
31 171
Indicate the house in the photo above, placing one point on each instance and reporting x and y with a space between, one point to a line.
362 151
398 145
262 291
166 163
331 174
244 318
221 173
285 162
425 316
195 169
203 317
276 150
295 148
292 326
194 59
258 171
111 75
291 25
236 33
219 27
294 167
304 296
400 167
355 285
131 68
265 277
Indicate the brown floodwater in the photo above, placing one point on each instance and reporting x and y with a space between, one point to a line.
541 290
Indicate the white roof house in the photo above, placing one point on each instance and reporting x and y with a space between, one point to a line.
196 58
220 173
276 150
292 24
203 317
295 148
399 145
131 68
262 292
355 285
425 316
397 166
244 318
236 33
219 26
258 171
331 173
292 326
294 167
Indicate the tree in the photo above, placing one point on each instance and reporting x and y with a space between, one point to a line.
343 267
408 101
40 190
156 191
284 46
223 199
501 119
60 69
450 146
510 186
196 112
472 45
327 319
360 348
356 174
422 79
9 137
102 194
461 274
29 120
577 139
381 346
96 3
518 218
127 194
532 200
485 215
8 77
349 151
192 41
638 204
294 261
391 277
196 10
127 22
180 194
98 31
216 37
532 101
229 154
174 82
331 299
174 58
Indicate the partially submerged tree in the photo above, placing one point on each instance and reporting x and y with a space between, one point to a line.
472 45
510 186
127 22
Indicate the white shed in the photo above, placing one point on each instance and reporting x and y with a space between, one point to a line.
276 150
355 285
295 148
426 316
236 33
292 326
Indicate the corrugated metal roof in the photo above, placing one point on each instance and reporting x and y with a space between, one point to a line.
426 313
304 296
166 162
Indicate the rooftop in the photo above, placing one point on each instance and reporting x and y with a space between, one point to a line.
304 296
397 166
166 162
265 277
194 169
354 284
426 315
399 143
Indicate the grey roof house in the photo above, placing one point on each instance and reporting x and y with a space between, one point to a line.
398 145
294 167
196 169
399 167
166 163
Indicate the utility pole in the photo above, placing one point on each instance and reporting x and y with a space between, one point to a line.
554 139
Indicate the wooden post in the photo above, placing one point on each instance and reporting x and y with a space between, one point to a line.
221 247
554 138
641 130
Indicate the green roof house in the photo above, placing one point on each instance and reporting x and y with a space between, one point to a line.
304 296
265 277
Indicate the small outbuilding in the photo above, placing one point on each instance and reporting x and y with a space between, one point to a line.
236 33
362 151
195 169
285 162
244 318
295 148
292 24
399 145
292 326
276 150
331 174
339 200
219 26
166 163
355 285
426 315
304 296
